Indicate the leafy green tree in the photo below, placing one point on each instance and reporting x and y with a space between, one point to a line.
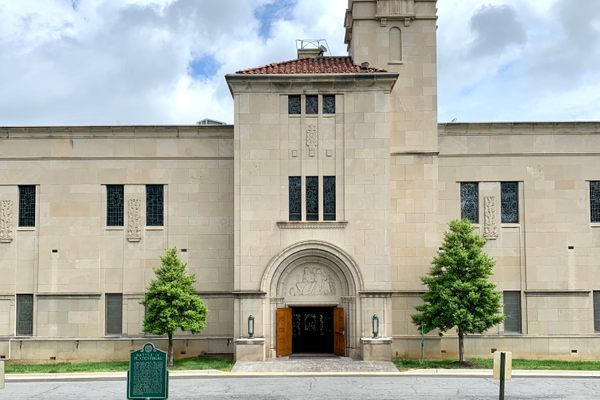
171 301
460 293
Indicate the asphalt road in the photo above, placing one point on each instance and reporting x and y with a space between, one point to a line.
329 388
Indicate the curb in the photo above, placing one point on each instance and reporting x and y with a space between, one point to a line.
457 373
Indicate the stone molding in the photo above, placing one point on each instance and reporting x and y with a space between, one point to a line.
490 220
134 220
6 221
311 224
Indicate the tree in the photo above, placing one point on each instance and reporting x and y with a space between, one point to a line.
460 293
171 301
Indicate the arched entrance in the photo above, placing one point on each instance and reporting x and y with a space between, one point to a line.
311 289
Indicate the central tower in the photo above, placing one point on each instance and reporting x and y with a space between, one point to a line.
400 36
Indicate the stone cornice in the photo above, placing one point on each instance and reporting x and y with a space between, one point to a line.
518 128
117 132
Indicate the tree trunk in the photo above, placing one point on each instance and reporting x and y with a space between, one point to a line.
461 346
170 353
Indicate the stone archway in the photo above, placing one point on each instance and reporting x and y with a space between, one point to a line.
313 273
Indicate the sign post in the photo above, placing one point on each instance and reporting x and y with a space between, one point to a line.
148 377
502 368
1 374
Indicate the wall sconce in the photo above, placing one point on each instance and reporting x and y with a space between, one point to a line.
250 326
375 324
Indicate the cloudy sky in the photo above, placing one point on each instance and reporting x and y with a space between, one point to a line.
79 62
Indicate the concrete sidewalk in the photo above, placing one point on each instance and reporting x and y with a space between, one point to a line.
481 373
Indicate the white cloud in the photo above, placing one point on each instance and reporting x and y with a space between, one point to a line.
127 61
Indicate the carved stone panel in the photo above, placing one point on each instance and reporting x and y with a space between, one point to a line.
134 220
312 139
395 8
6 221
490 220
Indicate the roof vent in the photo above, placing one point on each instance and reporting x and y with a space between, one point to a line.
364 65
311 48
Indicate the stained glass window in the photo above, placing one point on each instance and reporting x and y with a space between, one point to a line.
114 313
328 104
312 104
294 104
27 205
114 205
512 310
25 314
295 198
154 205
469 201
509 199
329 198
595 201
312 198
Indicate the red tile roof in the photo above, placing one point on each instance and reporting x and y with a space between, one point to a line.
317 65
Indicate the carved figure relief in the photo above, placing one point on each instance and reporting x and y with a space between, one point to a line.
311 139
6 221
134 220
490 222
313 282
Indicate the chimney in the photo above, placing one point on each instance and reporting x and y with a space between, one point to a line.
310 48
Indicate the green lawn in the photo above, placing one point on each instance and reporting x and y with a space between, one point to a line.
487 363
197 363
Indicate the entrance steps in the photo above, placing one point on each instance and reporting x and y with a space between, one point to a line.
313 364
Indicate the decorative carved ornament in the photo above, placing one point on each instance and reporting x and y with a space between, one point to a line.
6 221
134 220
314 281
312 138
395 8
490 221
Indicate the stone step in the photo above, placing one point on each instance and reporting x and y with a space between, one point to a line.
308 363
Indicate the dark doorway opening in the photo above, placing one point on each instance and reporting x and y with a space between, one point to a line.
312 330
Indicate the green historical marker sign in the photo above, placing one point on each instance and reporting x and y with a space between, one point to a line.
148 377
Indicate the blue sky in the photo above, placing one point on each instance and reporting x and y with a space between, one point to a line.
163 61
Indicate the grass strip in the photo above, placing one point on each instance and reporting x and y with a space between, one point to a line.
487 363
196 363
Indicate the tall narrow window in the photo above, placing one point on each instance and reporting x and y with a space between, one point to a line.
509 193
512 310
295 198
114 205
114 313
27 205
395 44
595 201
154 205
312 198
312 104
597 310
469 201
294 104
24 314
329 198
329 104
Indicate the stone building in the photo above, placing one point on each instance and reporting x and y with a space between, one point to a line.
321 206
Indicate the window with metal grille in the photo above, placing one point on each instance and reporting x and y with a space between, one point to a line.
24 314
114 205
294 104
114 313
597 310
512 311
312 104
312 198
329 104
509 199
295 198
329 198
469 201
595 201
27 205
154 205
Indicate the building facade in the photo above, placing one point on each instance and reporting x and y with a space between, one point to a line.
319 208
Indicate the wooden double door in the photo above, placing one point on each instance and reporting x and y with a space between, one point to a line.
310 330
